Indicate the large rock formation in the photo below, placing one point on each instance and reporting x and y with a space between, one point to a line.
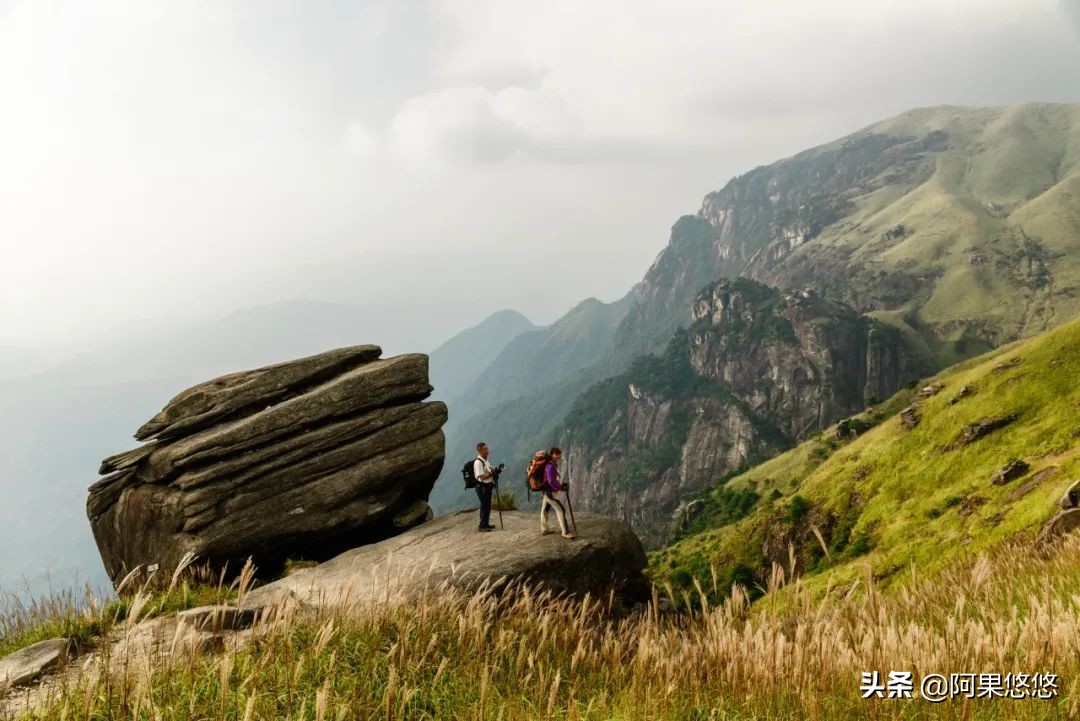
448 552
757 370
300 459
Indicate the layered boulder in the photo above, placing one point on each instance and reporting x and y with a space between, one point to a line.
300 459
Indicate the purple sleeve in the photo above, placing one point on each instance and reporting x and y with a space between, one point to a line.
552 477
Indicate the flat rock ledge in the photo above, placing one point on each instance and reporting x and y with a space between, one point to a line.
28 664
449 552
301 459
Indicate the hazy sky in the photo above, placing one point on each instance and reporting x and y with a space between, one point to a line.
182 159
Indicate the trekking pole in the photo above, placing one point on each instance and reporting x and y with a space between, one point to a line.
498 498
569 503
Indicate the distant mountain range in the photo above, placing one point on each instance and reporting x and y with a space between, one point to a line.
959 228
458 363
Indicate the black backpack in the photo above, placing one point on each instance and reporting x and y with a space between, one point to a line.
467 474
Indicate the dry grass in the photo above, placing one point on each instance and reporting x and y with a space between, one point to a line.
526 655
86 617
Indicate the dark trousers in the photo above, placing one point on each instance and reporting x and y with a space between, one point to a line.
483 490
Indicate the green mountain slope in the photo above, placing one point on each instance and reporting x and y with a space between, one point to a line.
961 225
896 496
990 223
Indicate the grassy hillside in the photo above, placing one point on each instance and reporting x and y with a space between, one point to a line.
965 228
526 655
894 497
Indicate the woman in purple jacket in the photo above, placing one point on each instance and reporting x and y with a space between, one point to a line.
552 486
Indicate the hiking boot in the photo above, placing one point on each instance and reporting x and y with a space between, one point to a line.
485 529
546 532
490 528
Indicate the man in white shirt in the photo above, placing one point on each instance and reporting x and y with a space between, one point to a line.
485 482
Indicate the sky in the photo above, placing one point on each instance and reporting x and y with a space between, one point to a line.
162 161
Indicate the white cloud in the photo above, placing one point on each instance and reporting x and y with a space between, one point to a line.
360 140
163 158
476 124
564 80
450 125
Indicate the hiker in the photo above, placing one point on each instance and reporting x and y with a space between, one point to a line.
485 482
553 485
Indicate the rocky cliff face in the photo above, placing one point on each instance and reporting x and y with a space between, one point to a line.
953 219
794 358
757 370
301 459
759 218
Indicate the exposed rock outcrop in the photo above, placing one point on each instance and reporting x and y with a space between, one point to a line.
964 392
1032 483
1071 497
1012 470
1007 365
929 391
217 618
972 432
1062 523
299 459
27 664
685 514
850 428
448 551
795 358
